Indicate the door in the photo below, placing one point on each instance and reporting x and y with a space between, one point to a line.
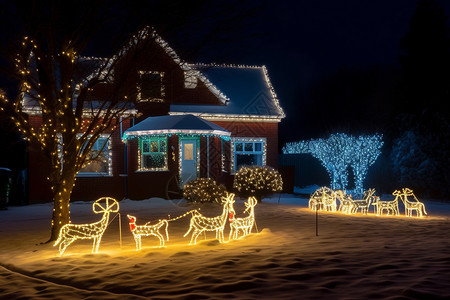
188 161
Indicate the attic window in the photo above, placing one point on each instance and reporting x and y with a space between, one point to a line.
150 87
190 79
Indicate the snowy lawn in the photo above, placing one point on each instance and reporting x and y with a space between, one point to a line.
354 257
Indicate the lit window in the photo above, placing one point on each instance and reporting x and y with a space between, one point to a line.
99 159
248 152
153 154
150 87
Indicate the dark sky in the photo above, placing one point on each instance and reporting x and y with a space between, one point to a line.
300 42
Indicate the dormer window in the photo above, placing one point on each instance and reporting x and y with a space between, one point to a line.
150 87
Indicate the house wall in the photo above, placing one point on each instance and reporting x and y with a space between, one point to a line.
86 188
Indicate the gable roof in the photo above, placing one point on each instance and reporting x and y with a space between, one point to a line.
249 89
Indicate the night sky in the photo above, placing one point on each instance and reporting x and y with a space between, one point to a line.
306 45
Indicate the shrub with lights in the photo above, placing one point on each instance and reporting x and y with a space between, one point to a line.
257 181
204 190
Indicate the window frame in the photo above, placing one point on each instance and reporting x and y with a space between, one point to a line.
141 153
139 97
107 148
243 140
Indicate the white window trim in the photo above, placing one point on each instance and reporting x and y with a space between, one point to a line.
103 174
246 139
139 89
140 157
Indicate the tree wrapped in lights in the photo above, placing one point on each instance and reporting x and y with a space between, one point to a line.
58 84
365 151
204 190
340 151
257 181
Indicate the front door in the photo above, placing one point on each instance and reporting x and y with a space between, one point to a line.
188 161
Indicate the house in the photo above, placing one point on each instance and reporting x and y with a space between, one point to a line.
189 121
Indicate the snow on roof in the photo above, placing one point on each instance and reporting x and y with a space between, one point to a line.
248 88
184 124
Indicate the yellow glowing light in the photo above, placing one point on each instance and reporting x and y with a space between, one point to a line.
243 224
139 231
323 199
72 232
347 205
387 205
200 223
364 204
411 206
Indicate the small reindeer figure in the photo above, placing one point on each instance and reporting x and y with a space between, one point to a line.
411 206
72 232
364 204
200 223
244 224
139 231
388 205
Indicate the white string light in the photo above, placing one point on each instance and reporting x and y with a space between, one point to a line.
200 223
139 231
243 224
71 232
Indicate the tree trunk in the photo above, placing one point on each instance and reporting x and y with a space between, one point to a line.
61 199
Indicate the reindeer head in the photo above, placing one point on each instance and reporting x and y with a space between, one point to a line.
251 202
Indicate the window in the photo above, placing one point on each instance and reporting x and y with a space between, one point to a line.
100 155
248 152
150 87
153 154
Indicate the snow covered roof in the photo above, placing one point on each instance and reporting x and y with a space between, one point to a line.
251 95
180 124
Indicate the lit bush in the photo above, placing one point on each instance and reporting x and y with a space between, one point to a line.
257 181
203 190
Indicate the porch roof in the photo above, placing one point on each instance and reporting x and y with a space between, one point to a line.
178 124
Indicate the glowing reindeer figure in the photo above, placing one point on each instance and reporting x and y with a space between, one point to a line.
388 205
411 206
200 223
244 224
139 231
364 204
72 232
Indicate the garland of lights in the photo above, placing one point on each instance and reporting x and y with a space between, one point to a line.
200 223
243 224
139 231
71 232
411 206
340 151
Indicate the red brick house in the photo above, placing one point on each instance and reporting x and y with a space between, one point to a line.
189 121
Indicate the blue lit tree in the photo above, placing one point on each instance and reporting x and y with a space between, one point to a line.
340 151
365 151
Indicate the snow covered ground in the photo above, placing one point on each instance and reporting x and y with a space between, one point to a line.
354 257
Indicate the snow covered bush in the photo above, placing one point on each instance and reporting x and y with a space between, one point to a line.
203 190
257 181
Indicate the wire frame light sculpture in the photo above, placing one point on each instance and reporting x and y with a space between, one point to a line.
139 231
71 232
411 206
245 224
323 199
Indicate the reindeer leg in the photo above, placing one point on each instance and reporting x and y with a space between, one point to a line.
64 244
194 236
161 239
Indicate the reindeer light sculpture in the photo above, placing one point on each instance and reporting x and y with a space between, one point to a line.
387 205
323 199
346 203
411 206
364 204
72 232
200 223
244 224
139 231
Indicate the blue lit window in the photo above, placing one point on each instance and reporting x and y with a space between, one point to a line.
99 159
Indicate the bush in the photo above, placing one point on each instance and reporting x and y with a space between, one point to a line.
257 181
204 190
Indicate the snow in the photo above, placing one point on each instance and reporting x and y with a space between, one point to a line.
354 257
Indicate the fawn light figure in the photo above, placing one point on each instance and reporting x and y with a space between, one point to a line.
364 204
411 206
200 223
72 232
243 224
139 231
388 205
